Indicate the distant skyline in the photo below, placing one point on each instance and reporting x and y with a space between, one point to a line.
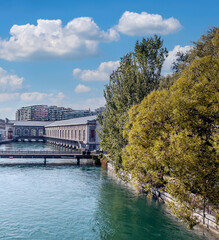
62 52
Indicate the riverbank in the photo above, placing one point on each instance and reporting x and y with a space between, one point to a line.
208 221
79 202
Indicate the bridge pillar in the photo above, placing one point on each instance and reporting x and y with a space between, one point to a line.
78 161
44 161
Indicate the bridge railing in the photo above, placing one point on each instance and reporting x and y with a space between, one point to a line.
39 152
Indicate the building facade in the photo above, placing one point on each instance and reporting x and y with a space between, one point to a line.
51 113
32 113
77 132
73 133
25 130
79 114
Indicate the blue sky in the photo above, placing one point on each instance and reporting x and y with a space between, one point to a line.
61 52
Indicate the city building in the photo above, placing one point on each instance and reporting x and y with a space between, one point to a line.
30 130
100 110
2 129
79 114
52 113
74 133
32 113
2 134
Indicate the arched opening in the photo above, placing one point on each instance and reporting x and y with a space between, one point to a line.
33 132
40 132
10 133
26 132
18 132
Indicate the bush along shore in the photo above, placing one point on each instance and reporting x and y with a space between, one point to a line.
208 220
162 131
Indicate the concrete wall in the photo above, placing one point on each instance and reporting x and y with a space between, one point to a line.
75 133
208 222
84 134
29 131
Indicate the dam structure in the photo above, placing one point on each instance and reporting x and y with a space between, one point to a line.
76 133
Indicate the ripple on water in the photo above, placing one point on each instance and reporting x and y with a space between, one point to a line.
79 203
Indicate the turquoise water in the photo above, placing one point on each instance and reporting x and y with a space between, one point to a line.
79 202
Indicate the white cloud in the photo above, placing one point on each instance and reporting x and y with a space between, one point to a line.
101 74
82 88
9 82
95 102
142 24
90 103
49 39
172 56
37 96
5 97
60 96
6 109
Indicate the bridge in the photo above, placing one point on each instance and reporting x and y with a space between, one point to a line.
48 154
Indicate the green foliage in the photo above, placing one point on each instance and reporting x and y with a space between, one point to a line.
184 213
137 75
207 45
164 130
147 134
171 139
103 159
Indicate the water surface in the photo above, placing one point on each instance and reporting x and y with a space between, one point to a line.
79 202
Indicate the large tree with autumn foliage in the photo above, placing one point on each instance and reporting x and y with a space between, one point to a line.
172 139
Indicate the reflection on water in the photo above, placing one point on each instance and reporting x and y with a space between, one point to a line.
31 146
79 203
37 146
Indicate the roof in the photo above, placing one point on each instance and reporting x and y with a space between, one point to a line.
73 121
29 123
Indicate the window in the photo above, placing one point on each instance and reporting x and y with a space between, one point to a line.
79 135
33 132
18 132
92 135
41 132
83 135
26 132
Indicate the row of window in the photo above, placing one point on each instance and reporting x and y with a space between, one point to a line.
29 132
67 134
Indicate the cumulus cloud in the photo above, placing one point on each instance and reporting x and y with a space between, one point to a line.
31 96
142 24
49 39
9 82
82 88
102 73
37 96
6 109
172 56
5 97
90 103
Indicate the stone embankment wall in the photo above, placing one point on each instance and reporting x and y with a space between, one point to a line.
209 221
5 141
